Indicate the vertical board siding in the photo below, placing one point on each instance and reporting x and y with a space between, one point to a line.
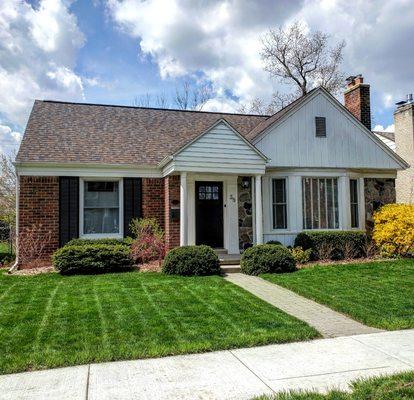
222 148
68 209
132 202
293 142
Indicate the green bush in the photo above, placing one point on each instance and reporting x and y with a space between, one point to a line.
92 258
301 256
334 245
86 242
266 258
274 242
191 260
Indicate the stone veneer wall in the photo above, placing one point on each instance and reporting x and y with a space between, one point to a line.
245 203
378 192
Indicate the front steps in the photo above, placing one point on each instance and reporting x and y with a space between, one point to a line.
229 263
230 269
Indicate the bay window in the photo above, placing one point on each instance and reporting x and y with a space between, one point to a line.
320 203
279 204
101 210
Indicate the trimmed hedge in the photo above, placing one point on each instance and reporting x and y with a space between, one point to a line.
267 258
85 242
274 242
92 258
338 243
191 260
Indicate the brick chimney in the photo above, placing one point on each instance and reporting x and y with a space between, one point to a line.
404 146
357 99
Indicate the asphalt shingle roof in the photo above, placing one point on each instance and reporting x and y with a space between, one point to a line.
60 132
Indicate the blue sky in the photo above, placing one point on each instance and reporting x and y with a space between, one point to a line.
112 51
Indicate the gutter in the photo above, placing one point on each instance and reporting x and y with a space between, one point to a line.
14 266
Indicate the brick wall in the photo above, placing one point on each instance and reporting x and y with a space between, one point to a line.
39 205
172 228
153 199
357 101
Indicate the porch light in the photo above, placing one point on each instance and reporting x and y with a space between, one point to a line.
245 183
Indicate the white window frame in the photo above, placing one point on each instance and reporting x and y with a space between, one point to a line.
285 178
118 235
340 204
358 198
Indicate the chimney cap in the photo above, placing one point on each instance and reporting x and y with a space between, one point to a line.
409 100
354 80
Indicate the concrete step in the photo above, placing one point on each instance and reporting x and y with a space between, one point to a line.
230 269
220 251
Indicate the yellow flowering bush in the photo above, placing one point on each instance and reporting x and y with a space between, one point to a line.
394 229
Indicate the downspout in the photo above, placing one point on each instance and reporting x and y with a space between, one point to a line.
16 261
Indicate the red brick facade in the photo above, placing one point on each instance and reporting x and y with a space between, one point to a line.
357 101
153 199
172 226
39 206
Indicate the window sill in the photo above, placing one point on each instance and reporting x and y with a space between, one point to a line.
101 236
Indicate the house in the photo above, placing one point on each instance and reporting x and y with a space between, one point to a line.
226 180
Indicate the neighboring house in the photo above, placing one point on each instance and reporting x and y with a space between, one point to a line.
226 180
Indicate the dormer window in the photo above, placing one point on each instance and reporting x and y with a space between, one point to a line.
320 126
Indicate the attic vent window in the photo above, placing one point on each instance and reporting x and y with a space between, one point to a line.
320 125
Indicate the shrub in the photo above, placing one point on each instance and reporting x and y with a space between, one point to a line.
267 258
91 258
33 243
301 256
394 230
191 260
148 247
333 245
145 226
274 242
87 242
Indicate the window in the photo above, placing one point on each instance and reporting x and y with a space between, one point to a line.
320 203
353 188
101 208
320 126
279 204
208 192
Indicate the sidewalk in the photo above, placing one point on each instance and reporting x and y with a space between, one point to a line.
236 374
328 322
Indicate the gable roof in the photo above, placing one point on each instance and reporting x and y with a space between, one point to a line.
62 132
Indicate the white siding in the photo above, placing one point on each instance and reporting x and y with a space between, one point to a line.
292 142
219 150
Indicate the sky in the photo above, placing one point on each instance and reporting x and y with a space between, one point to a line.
115 51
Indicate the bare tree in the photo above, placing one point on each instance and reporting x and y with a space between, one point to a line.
147 100
260 107
192 98
8 181
303 59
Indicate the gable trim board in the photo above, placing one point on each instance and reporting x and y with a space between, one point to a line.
219 149
306 100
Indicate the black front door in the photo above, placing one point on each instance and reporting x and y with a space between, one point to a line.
209 213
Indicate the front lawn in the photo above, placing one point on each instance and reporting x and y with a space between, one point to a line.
394 387
52 320
379 294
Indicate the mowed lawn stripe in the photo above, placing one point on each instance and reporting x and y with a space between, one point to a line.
379 294
82 319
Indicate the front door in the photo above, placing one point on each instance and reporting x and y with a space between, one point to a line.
209 213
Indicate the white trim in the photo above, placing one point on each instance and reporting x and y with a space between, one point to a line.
259 209
90 170
183 209
287 195
118 235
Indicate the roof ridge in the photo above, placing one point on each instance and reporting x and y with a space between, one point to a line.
152 108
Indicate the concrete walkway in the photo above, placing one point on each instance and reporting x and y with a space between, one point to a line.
237 374
327 321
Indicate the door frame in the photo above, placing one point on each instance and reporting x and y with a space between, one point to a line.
230 208
222 206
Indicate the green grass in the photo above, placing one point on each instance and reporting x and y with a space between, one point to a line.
379 294
52 320
394 387
4 247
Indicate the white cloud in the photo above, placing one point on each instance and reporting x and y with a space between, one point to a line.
381 128
38 47
220 39
8 138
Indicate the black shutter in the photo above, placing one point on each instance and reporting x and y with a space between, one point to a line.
68 209
132 202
